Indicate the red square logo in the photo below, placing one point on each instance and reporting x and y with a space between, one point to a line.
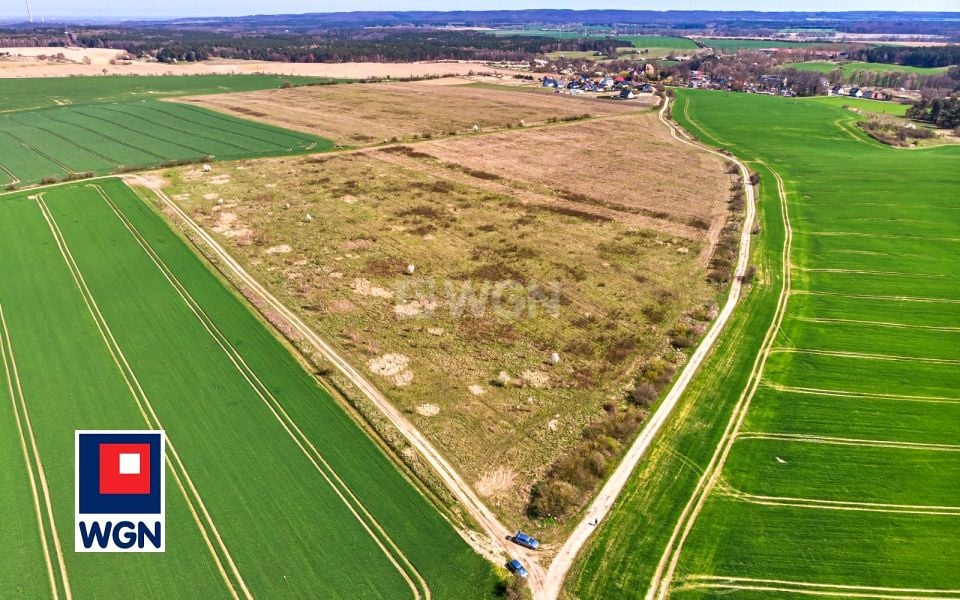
124 468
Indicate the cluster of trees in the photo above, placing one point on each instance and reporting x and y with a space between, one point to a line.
933 56
942 112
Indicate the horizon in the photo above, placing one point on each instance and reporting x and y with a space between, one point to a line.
181 9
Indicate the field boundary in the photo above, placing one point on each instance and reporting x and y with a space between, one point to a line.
663 576
153 422
13 377
276 408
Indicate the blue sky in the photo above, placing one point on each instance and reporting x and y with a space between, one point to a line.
172 8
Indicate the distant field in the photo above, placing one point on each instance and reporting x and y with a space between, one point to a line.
849 68
623 235
842 478
659 41
286 494
872 106
108 137
30 93
730 45
361 115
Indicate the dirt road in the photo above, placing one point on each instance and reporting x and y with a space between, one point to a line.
497 532
607 496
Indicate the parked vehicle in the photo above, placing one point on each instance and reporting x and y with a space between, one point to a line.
522 539
517 569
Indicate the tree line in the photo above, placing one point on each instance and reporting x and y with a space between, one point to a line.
933 56
942 112
381 45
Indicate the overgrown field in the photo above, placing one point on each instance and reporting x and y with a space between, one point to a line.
843 476
109 321
118 126
610 276
361 115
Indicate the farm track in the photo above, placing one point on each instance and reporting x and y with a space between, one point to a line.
605 499
843 505
233 580
367 521
43 510
663 576
496 531
868 395
820 439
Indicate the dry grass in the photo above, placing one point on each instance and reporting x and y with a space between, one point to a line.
627 163
364 114
620 291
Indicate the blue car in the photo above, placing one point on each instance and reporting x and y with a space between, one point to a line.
522 539
517 569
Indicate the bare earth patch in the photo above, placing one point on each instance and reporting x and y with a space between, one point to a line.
392 367
496 483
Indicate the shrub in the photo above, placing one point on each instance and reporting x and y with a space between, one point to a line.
552 499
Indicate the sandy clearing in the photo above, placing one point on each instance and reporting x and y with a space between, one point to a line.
496 482
347 70
31 55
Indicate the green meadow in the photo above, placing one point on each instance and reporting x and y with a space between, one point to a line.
861 104
732 45
849 68
296 493
861 380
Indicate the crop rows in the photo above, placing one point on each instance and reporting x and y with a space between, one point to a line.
108 137
112 322
843 476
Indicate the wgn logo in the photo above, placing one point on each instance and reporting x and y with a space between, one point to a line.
119 491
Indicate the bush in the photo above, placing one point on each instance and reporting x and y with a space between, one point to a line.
553 499
644 394
749 274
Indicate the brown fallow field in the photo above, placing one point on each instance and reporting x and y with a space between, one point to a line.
603 222
364 114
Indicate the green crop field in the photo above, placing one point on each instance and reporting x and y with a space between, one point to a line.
53 143
40 92
845 469
108 320
849 68
861 104
659 41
